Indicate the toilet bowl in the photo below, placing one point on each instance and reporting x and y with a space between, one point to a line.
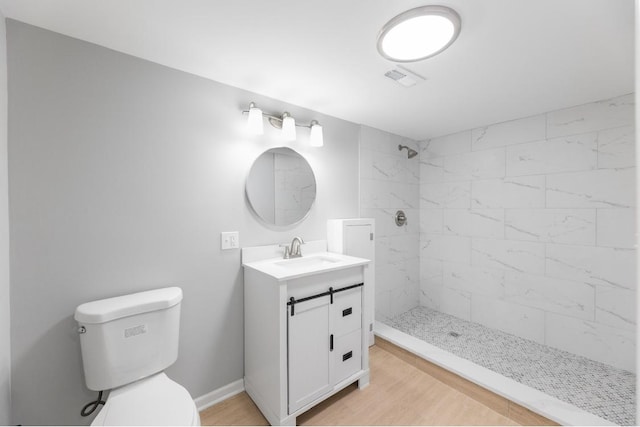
127 342
156 400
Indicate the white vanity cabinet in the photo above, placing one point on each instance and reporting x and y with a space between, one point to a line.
304 339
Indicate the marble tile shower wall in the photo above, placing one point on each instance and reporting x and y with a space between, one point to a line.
528 227
389 182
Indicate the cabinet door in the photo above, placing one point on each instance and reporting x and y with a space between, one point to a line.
308 342
359 242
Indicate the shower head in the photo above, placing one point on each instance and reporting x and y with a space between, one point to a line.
411 153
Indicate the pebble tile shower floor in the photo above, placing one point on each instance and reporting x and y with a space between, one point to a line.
593 386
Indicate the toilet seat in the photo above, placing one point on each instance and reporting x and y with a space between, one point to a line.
155 400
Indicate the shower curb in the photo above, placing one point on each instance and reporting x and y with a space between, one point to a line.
510 398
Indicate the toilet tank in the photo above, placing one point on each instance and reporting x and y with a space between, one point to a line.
127 338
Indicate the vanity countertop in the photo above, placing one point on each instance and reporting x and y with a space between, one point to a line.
313 263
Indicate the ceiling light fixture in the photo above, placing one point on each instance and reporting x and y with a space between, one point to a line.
285 122
419 33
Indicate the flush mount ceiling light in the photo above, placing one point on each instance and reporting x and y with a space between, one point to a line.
419 33
285 122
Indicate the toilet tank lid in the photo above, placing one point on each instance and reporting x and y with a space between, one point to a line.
108 309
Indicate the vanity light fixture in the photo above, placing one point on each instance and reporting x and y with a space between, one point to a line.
288 127
254 122
286 122
315 138
419 33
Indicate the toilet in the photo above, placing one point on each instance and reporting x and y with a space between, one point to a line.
127 342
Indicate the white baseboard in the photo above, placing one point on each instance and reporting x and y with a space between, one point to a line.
205 401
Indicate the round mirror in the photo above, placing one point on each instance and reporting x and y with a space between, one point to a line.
281 187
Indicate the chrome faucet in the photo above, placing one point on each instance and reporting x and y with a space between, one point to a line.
293 250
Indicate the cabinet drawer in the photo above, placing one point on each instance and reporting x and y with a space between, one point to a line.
346 357
346 313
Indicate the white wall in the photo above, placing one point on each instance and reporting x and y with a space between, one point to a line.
389 181
528 226
5 347
123 173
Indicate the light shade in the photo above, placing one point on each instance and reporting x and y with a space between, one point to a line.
254 122
316 139
288 127
419 33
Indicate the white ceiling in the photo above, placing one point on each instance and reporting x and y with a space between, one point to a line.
513 58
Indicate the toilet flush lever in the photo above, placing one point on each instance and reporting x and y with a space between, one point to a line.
82 330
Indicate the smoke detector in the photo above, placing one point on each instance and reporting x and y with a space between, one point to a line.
404 76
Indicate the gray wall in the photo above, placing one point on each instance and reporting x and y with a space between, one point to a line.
5 347
528 226
122 175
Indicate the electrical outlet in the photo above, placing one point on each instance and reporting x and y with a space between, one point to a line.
229 240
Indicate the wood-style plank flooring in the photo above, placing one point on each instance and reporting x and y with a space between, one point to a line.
399 394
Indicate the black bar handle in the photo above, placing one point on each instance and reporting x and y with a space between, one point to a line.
292 303
347 356
330 292
331 342
347 311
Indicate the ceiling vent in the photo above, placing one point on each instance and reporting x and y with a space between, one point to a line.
404 77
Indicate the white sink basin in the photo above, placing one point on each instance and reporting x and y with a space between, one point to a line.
307 262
